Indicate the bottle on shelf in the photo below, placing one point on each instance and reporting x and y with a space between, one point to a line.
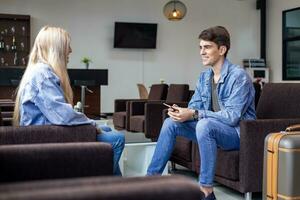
7 47
22 45
13 30
23 30
23 61
16 59
2 61
2 44
14 46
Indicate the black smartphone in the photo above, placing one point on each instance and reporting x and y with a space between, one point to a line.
174 108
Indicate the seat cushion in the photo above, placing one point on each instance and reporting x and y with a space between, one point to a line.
231 169
119 119
137 123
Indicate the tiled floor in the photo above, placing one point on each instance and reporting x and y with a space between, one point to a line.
221 192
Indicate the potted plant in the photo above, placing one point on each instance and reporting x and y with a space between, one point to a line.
86 61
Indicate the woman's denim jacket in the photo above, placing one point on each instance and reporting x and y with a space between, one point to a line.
42 100
235 96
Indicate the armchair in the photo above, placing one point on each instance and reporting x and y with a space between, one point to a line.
277 109
147 117
24 162
184 148
121 111
42 152
142 91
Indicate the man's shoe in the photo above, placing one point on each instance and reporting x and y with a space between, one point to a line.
211 196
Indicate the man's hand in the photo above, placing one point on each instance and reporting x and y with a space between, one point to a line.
180 114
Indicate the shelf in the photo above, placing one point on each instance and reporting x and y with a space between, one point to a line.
19 51
10 36
18 27
13 67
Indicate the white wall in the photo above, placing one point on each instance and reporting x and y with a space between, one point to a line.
274 35
176 59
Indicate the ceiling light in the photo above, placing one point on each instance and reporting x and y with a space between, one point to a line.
174 10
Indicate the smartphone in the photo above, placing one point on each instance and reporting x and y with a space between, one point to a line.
174 109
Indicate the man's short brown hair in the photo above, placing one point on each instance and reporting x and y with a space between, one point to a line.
218 35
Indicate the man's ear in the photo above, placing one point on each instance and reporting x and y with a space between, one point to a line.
222 50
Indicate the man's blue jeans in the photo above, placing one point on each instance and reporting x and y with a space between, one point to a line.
117 141
208 133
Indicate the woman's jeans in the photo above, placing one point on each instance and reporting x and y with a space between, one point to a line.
117 141
208 133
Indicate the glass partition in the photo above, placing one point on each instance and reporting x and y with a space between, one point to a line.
291 44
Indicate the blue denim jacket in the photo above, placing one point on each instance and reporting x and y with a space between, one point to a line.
42 100
235 96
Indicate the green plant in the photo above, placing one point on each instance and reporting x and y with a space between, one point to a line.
86 60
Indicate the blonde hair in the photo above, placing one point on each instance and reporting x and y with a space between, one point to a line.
51 46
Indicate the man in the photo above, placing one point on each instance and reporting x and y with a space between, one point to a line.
224 96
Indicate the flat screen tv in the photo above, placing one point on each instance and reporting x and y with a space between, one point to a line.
135 35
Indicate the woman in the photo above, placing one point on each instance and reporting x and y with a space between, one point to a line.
45 96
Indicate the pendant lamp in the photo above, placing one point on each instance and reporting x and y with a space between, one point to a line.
174 10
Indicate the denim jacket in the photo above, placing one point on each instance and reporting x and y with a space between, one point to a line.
235 96
42 100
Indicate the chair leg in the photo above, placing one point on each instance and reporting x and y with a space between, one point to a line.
248 196
173 166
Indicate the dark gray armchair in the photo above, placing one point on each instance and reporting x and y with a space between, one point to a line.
25 162
184 149
147 116
242 170
49 152
122 106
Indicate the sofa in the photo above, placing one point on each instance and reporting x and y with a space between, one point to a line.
104 188
61 162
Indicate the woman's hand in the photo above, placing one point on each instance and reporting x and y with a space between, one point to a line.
180 114
98 128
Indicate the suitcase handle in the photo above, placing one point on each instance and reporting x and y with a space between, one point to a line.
293 128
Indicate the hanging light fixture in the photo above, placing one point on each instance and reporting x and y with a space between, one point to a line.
174 10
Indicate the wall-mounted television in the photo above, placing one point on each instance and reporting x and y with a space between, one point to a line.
135 35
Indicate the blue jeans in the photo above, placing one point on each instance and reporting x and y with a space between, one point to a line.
117 141
208 133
